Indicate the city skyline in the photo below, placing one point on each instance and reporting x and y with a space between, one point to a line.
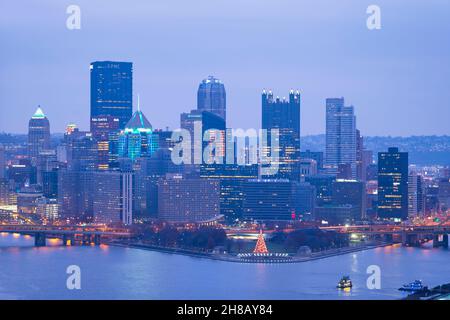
359 71
276 150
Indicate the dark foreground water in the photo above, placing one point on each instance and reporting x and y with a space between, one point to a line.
109 272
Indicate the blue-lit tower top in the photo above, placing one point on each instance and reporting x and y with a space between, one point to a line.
137 139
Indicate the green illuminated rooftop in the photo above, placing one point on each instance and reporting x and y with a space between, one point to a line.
39 114
138 123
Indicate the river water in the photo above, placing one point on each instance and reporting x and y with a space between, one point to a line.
107 272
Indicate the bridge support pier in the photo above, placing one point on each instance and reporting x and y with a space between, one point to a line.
39 240
66 239
86 239
388 238
436 241
440 240
97 239
412 240
404 239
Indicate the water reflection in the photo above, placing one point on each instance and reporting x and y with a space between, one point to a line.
121 273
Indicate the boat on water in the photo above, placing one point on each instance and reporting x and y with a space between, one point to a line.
344 283
414 286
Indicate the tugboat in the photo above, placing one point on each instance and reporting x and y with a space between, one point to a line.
345 283
413 287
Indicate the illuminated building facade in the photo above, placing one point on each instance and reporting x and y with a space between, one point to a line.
337 214
324 187
232 178
271 199
211 96
444 193
50 183
188 200
47 208
393 184
284 115
111 103
412 194
103 127
27 200
81 151
75 194
4 192
38 134
340 148
22 173
204 120
350 192
111 92
113 197
137 139
2 162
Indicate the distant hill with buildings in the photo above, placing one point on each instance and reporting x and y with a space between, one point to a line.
423 150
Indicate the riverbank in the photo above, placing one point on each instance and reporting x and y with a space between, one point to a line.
234 258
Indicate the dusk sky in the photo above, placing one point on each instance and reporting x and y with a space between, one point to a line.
398 78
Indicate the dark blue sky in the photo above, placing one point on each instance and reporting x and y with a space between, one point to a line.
397 77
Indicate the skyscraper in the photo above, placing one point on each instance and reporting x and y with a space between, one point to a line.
324 187
4 192
204 120
137 139
188 200
38 134
211 97
360 167
111 103
113 197
267 199
350 192
75 194
393 184
340 136
111 91
412 194
284 115
2 162
81 151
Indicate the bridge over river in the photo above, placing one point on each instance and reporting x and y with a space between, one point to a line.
84 235
410 235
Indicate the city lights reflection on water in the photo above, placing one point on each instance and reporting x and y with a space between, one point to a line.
111 272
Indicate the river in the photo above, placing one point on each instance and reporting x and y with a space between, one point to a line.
108 272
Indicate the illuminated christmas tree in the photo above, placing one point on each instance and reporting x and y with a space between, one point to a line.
260 244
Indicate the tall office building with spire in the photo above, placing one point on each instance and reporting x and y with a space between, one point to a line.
137 139
211 97
38 134
340 149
